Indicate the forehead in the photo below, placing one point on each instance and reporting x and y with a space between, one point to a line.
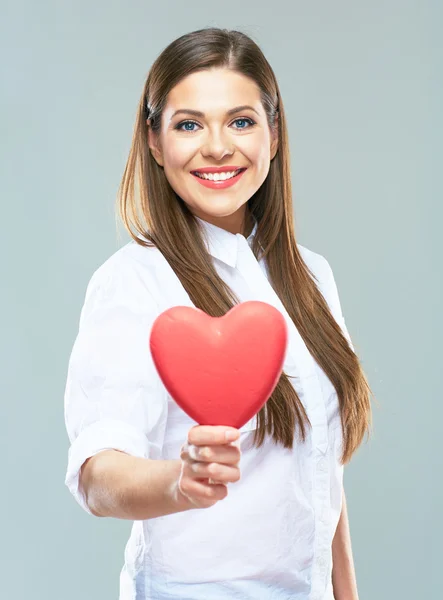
214 90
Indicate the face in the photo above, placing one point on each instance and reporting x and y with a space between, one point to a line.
213 139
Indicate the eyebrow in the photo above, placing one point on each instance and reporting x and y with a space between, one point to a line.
197 113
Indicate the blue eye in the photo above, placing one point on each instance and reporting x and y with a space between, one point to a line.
246 119
182 123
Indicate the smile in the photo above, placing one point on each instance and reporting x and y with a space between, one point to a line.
219 180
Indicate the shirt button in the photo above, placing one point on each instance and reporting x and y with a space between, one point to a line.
322 464
321 561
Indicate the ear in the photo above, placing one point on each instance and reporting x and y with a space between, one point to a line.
154 144
274 138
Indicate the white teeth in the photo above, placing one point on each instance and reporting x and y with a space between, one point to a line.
217 176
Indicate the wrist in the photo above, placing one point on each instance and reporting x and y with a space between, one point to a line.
174 496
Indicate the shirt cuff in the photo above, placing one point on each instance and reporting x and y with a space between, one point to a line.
102 435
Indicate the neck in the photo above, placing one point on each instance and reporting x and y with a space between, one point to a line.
239 222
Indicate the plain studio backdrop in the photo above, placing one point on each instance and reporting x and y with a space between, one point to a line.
362 87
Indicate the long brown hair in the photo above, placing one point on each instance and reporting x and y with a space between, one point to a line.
151 209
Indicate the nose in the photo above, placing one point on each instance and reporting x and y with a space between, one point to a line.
217 146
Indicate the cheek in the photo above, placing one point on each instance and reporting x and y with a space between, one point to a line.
260 158
180 152
174 158
256 149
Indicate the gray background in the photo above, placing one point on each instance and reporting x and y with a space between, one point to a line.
362 87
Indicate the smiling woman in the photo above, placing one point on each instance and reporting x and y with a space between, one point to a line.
225 139
206 196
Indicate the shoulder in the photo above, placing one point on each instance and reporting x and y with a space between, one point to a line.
126 277
126 262
325 280
323 276
316 263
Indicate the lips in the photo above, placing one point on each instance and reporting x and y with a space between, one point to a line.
220 183
225 169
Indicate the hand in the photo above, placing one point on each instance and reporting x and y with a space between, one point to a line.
208 454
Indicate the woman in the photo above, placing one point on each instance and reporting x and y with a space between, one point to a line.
211 103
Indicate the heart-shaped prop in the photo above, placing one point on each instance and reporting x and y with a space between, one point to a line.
220 370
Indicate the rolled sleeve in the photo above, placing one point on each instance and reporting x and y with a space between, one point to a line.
114 398
102 435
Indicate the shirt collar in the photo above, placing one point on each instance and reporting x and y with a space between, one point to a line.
222 244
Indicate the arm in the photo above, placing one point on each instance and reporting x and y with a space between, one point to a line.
129 487
343 573
114 400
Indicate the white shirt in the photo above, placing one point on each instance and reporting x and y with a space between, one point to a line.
271 537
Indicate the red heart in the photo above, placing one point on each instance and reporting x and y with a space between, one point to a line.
220 370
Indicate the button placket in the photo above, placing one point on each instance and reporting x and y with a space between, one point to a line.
300 363
321 545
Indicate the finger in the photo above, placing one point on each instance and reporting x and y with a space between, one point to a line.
184 451
201 435
220 454
216 472
195 489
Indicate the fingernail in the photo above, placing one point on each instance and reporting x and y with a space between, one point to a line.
230 435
